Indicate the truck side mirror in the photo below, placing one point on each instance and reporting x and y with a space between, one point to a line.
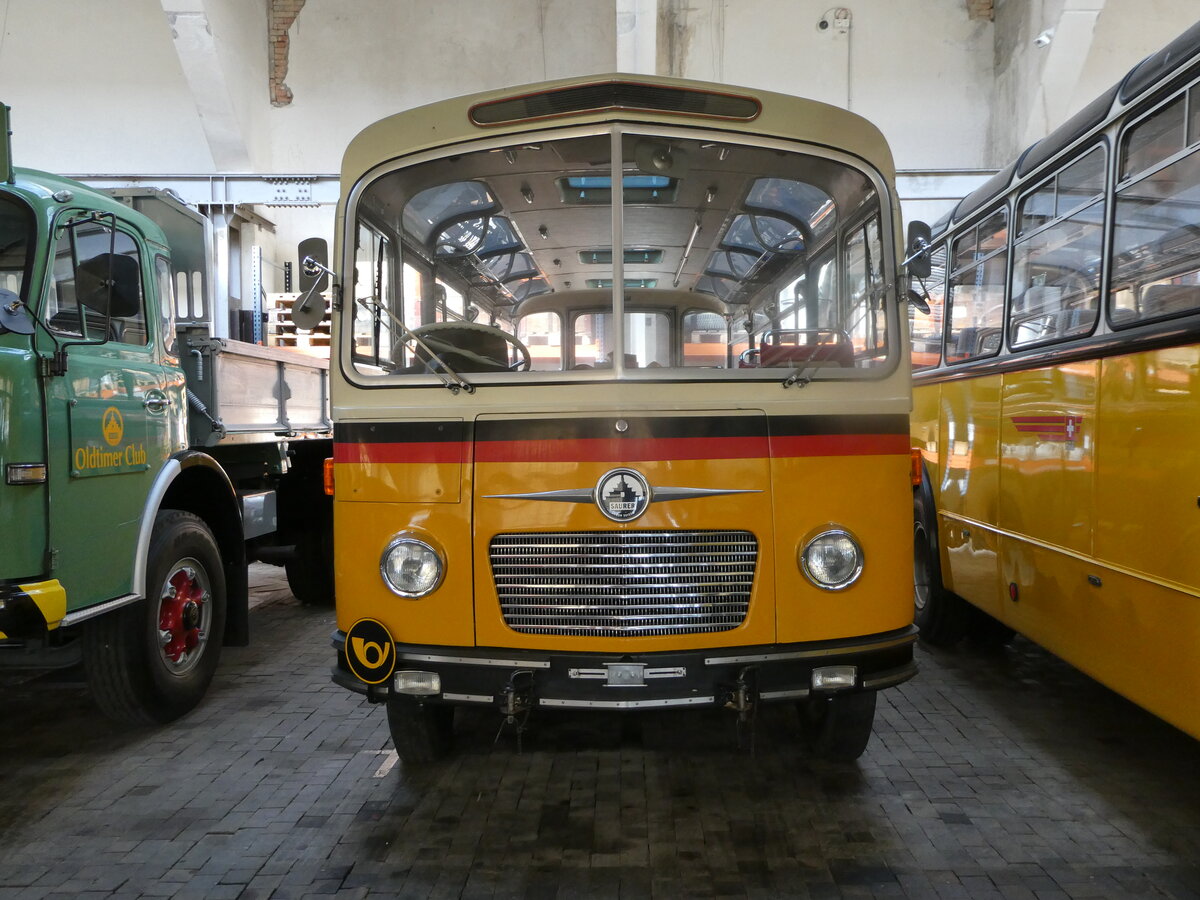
917 249
108 284
309 310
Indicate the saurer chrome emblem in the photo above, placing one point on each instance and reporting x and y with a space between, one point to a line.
622 494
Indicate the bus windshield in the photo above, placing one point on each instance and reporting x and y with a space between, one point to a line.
735 261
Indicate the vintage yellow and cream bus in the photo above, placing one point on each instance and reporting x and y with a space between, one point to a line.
621 403
1057 396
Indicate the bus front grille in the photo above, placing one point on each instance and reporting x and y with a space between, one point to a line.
624 583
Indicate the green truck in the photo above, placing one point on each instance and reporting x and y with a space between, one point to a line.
146 462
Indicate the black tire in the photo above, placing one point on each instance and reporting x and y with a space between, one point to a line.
838 727
422 732
310 570
152 661
939 614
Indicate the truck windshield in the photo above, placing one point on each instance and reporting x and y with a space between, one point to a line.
735 261
16 241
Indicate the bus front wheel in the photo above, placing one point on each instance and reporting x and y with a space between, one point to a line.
838 727
940 614
421 731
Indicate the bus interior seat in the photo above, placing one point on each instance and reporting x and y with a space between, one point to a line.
1169 299
774 356
964 344
987 341
1076 321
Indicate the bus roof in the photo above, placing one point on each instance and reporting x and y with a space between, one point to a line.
1177 57
779 115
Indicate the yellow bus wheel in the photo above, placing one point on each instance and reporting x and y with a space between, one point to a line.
940 614
838 727
421 731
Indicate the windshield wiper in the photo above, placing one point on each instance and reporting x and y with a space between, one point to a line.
447 375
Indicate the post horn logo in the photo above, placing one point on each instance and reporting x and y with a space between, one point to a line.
622 494
370 651
112 424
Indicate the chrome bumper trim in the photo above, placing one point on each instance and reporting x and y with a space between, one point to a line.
476 661
625 704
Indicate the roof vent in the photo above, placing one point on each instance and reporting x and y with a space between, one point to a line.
611 95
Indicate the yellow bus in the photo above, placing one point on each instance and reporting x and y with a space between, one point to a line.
621 405
1057 401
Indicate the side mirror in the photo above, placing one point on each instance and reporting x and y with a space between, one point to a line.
917 302
317 250
108 283
13 315
309 310
917 250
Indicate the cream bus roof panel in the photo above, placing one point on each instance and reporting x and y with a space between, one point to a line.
446 122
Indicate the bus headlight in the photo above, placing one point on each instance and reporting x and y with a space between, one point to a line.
411 567
832 559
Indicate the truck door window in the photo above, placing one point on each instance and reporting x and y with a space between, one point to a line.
166 304
86 258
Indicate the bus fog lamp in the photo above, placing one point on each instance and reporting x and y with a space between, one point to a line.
832 560
834 678
411 568
417 684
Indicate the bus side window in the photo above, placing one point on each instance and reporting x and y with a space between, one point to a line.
1156 241
975 294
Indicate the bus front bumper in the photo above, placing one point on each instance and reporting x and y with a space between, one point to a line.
609 681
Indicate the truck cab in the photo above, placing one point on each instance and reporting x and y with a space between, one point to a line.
145 461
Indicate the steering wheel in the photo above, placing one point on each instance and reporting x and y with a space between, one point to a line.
462 346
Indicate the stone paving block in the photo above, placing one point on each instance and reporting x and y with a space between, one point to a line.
990 775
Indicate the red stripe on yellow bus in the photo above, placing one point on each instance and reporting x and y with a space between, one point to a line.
621 449
838 445
625 449
417 451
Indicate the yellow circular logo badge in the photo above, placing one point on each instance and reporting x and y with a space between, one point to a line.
370 651
113 425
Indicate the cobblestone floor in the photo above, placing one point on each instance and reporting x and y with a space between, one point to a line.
990 775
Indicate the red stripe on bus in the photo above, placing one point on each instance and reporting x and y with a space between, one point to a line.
839 445
416 452
618 450
621 449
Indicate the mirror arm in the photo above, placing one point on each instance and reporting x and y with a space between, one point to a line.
920 247
312 268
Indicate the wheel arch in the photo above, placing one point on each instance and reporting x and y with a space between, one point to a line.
924 493
196 483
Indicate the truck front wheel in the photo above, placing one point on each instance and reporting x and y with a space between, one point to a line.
152 661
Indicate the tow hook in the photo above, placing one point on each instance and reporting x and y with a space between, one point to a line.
744 701
516 702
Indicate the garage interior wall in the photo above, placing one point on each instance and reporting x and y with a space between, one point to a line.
139 88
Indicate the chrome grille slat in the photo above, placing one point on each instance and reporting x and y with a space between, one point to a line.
624 583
